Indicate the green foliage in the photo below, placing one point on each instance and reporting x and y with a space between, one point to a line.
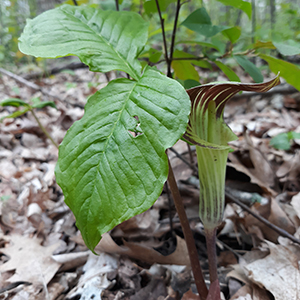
290 72
227 71
101 39
250 68
112 163
16 102
240 4
200 21
283 141
107 173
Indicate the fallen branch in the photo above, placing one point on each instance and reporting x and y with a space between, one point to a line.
280 231
28 83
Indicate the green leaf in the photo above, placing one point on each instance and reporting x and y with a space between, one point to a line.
199 21
150 6
79 2
281 142
44 104
190 83
183 68
246 7
201 43
16 114
227 71
16 102
154 55
104 40
233 33
250 68
290 72
107 174
288 47
294 135
262 45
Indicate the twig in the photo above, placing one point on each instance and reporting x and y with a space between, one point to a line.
173 37
162 21
184 160
190 242
280 231
28 83
117 5
170 205
44 129
75 2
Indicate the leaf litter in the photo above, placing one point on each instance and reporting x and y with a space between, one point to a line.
42 255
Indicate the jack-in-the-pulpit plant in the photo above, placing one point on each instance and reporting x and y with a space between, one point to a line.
208 131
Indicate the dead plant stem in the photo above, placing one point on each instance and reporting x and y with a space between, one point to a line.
188 235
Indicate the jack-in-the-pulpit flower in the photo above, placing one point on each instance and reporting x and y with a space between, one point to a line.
210 134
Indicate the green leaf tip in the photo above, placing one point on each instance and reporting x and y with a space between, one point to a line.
208 131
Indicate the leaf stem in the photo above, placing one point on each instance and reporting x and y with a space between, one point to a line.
44 129
173 37
162 21
190 242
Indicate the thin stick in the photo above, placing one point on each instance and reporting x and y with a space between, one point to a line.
162 21
190 242
117 5
280 231
173 37
44 129
170 212
75 2
183 159
28 83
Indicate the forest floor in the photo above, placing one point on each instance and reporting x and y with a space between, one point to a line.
42 254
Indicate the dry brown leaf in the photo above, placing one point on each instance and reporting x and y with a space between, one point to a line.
296 204
31 261
236 164
278 272
262 169
145 254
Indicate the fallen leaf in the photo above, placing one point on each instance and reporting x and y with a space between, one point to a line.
145 254
31 261
278 272
296 204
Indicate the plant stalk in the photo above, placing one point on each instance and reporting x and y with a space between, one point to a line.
44 129
162 21
210 235
173 38
188 235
